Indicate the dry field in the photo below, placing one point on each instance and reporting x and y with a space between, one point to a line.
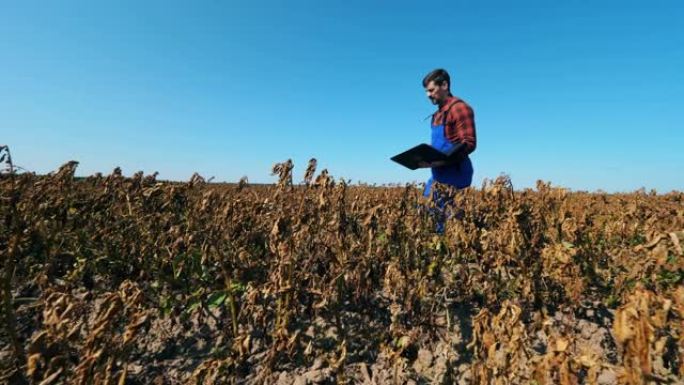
113 280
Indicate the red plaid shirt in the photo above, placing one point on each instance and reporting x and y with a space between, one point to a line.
459 122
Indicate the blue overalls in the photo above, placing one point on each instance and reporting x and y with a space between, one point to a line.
459 175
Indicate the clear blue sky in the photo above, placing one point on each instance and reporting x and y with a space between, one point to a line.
587 95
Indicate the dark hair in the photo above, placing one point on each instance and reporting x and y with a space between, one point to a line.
439 76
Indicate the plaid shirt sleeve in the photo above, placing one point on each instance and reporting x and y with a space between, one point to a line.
460 125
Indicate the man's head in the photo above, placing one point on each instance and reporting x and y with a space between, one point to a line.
437 86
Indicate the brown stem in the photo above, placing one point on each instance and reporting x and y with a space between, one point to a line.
233 307
231 299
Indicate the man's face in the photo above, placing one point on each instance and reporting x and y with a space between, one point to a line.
437 93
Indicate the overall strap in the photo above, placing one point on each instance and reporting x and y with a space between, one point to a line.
446 110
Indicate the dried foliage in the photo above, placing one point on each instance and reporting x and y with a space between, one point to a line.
110 279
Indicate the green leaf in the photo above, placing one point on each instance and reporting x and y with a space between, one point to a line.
238 288
194 304
382 238
216 299
165 305
403 342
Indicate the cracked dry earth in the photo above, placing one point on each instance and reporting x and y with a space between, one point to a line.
174 347
170 351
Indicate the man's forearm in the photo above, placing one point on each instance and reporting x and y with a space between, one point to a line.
456 150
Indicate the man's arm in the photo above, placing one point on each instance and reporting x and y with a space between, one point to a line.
455 155
460 127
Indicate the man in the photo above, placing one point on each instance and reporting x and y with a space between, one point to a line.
453 132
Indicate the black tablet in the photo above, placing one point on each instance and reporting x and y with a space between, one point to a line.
413 157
